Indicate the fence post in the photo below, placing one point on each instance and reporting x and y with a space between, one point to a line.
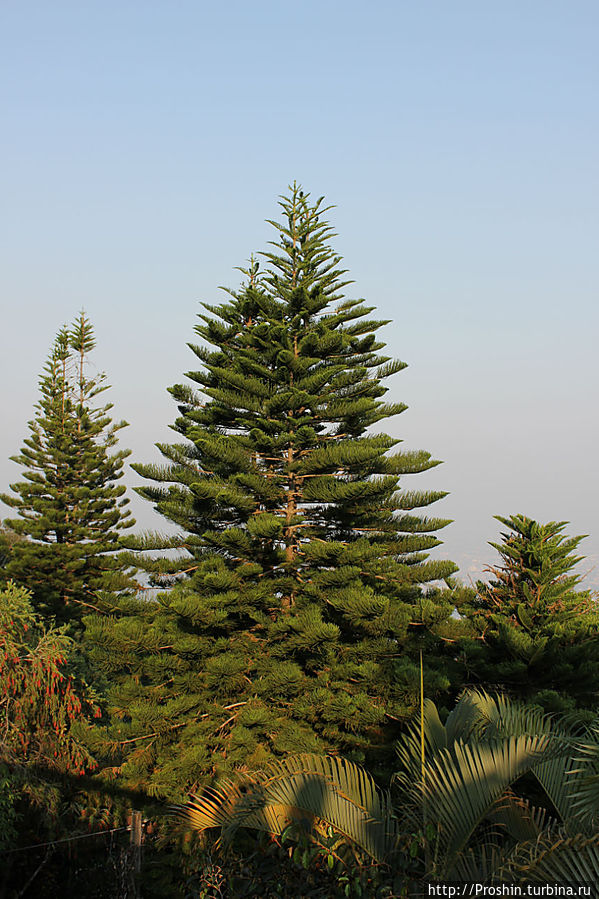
136 840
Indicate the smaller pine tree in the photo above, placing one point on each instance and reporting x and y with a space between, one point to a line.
71 508
536 634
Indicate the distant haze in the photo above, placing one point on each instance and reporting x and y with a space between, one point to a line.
146 143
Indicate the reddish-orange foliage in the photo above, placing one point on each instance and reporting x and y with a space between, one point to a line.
41 704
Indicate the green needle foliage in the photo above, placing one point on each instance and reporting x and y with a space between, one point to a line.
298 624
71 508
537 635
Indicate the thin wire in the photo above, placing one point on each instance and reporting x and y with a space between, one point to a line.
81 836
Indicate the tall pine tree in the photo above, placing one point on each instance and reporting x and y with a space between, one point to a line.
298 623
71 507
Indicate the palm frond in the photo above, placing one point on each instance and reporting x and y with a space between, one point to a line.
307 792
463 783
519 819
408 748
569 859
584 779
469 714
481 864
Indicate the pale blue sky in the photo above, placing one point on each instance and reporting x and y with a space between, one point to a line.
144 143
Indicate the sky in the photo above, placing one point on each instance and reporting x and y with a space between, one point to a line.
145 143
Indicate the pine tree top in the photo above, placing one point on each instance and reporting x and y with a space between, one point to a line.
536 561
280 424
